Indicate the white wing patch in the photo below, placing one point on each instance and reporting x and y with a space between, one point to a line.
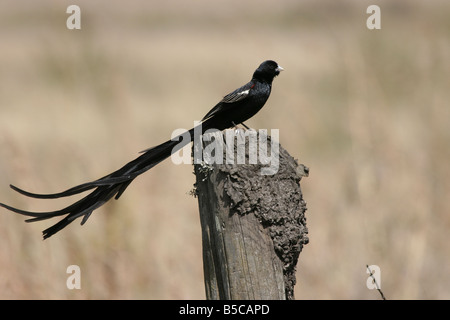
244 92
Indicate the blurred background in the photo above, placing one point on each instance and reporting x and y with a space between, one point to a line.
366 110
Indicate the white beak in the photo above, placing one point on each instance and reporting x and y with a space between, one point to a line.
279 68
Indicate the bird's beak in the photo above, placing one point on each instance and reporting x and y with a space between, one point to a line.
279 69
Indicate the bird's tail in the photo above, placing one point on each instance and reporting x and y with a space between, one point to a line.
112 185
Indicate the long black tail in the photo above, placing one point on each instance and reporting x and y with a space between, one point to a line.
112 185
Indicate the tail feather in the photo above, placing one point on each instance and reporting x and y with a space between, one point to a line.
72 191
112 185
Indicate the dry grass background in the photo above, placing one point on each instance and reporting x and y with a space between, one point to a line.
367 111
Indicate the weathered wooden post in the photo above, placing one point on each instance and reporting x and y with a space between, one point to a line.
253 223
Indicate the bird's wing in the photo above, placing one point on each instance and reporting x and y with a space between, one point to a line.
235 96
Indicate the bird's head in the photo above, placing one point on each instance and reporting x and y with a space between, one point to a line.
267 70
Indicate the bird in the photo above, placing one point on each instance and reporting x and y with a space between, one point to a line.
235 108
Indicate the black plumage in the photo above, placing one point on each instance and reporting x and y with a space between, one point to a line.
235 108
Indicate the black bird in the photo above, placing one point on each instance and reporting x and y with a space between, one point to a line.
235 108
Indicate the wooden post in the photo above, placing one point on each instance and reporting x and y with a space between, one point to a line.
253 223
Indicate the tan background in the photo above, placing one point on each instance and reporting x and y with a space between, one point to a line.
367 111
